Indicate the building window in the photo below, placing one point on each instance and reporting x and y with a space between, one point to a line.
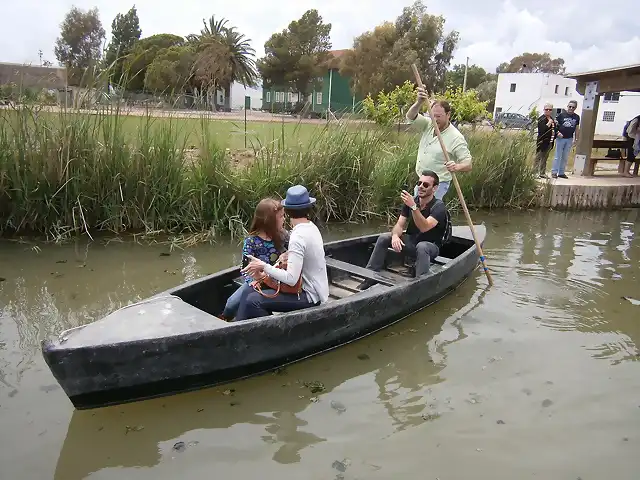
557 87
319 98
268 98
612 97
498 110
513 87
566 91
608 116
279 97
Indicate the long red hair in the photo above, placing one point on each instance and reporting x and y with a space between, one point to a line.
265 220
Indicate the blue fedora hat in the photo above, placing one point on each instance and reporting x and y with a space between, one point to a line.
298 197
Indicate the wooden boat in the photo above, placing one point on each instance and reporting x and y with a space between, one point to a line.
173 342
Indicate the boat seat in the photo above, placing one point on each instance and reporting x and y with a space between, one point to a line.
388 278
439 259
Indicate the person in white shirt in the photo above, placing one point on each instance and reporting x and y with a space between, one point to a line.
305 258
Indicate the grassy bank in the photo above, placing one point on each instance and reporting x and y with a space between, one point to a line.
68 173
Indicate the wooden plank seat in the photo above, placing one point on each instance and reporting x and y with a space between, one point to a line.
388 279
593 161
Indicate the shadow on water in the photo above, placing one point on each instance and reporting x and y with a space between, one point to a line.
141 434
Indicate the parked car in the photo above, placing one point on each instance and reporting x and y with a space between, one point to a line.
512 120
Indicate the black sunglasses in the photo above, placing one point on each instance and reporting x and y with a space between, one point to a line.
424 184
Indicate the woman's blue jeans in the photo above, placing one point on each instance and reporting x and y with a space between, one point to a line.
231 308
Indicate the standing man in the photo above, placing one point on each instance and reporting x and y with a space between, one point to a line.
567 130
544 142
631 132
430 156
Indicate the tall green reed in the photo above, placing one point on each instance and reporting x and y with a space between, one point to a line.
70 172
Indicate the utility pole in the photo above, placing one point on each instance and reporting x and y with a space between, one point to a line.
464 83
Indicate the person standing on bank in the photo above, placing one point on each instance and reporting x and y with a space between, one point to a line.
544 142
567 130
430 155
305 258
427 219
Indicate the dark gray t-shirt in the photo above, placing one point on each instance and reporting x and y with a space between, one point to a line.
567 124
435 209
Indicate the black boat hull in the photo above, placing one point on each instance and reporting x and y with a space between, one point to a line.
116 373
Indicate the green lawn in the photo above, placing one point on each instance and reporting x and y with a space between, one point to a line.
229 134
226 133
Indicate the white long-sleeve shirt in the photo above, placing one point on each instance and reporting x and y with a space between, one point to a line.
306 257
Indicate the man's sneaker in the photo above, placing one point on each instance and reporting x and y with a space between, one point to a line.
562 176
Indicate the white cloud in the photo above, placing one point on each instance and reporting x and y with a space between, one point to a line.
491 31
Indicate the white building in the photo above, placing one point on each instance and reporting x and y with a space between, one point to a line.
520 92
615 110
238 92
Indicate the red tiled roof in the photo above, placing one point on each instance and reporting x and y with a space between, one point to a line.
338 53
334 60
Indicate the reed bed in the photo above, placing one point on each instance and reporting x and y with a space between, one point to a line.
67 173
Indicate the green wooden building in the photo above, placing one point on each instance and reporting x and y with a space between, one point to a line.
333 93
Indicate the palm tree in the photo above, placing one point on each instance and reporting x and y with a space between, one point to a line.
242 65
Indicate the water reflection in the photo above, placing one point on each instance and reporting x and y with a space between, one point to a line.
277 408
559 278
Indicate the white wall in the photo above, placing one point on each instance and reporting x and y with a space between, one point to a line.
534 89
238 92
627 107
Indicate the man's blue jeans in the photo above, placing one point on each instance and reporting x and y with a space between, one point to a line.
563 147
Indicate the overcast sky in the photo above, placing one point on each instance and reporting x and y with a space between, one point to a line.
491 31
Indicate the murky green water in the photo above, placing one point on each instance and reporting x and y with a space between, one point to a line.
537 377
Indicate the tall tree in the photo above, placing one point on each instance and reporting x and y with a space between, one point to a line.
239 64
171 71
426 37
487 93
297 56
143 54
475 76
125 32
78 46
534 63
381 59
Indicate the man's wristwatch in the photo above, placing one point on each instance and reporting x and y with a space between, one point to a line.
413 207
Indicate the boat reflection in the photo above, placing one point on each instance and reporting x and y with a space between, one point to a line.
273 407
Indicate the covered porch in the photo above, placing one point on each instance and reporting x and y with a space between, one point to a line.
592 85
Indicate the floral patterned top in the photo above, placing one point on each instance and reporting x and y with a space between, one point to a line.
265 250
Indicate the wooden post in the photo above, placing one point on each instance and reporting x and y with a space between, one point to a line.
588 117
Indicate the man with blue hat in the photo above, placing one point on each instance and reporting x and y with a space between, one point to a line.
305 260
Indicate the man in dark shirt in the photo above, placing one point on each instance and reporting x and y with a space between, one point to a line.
567 124
426 217
544 142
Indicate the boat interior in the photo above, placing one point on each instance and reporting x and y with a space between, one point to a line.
346 264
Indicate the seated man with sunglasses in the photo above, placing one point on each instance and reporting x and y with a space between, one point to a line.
426 217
